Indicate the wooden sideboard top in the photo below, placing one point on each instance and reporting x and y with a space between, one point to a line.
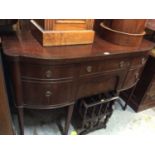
23 44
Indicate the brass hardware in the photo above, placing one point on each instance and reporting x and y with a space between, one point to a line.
122 63
48 93
89 69
48 74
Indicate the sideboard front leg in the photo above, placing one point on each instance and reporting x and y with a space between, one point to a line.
68 119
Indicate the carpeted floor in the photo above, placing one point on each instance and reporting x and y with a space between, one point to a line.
121 122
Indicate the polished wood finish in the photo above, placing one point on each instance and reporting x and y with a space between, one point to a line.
134 26
126 32
47 95
23 45
143 95
53 77
5 116
54 32
102 83
121 38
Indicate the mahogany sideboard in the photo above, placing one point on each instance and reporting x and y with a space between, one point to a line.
5 116
53 77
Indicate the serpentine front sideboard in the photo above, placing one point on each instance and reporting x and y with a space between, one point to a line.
53 77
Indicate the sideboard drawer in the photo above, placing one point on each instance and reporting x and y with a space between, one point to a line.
114 64
104 66
47 71
37 94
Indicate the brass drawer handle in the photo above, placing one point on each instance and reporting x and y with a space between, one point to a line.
121 64
143 61
48 74
48 93
89 69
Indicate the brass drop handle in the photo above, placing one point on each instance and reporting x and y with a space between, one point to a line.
122 63
48 93
48 74
143 61
89 69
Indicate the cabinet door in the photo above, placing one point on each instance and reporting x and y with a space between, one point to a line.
5 117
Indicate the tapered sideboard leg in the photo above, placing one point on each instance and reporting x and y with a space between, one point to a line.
21 120
68 119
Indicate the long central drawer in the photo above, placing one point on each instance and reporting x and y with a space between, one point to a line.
108 65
